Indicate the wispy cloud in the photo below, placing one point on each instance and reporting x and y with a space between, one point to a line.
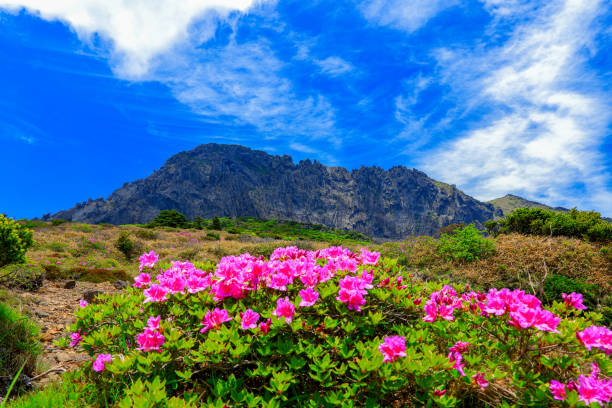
399 14
138 30
547 118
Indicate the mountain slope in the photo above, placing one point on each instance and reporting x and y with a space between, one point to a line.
232 180
510 202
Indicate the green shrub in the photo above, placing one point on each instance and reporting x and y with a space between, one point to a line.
125 244
212 236
466 244
449 229
170 218
555 285
58 221
56 246
215 224
538 221
327 355
86 228
18 342
145 234
15 239
22 276
199 223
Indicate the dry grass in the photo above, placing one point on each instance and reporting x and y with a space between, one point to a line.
518 262
60 250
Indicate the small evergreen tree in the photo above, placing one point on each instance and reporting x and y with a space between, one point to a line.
125 244
170 218
216 224
198 222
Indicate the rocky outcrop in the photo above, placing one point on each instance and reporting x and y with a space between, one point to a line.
232 180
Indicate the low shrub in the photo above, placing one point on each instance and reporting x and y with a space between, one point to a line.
538 221
125 244
331 328
96 275
86 228
27 277
15 239
212 236
555 285
145 234
66 393
170 218
56 246
465 244
58 221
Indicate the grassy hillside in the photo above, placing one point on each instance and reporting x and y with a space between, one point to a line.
509 203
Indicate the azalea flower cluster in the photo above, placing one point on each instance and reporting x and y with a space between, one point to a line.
524 310
590 388
151 339
596 336
236 276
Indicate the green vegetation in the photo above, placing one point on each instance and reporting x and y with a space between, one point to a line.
125 244
169 218
510 202
27 277
289 230
465 244
537 221
19 342
15 239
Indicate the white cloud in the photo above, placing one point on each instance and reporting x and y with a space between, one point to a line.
401 14
548 118
138 29
243 82
334 66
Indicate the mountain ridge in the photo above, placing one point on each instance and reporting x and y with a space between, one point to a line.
233 180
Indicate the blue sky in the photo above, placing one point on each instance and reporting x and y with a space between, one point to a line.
495 96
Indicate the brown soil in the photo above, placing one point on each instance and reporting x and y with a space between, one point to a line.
52 307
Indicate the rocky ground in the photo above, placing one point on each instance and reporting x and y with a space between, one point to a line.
52 307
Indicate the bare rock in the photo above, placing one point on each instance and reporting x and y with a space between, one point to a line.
91 295
70 284
120 284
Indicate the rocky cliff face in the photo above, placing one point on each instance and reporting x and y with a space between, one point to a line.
231 180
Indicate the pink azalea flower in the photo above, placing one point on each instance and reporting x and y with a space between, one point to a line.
76 338
142 280
458 365
83 303
265 327
480 380
558 390
369 258
574 300
284 308
431 311
309 297
249 319
393 348
147 260
153 322
596 336
459 347
155 293
101 360
439 393
150 340
215 319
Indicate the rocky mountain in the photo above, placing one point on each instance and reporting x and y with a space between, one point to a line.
510 202
232 180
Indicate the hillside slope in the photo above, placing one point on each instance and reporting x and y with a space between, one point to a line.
510 202
232 180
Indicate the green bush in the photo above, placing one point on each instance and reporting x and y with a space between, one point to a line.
125 244
18 342
58 221
538 221
170 218
22 276
56 246
199 223
15 239
326 354
65 394
212 236
215 224
465 244
555 285
145 234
